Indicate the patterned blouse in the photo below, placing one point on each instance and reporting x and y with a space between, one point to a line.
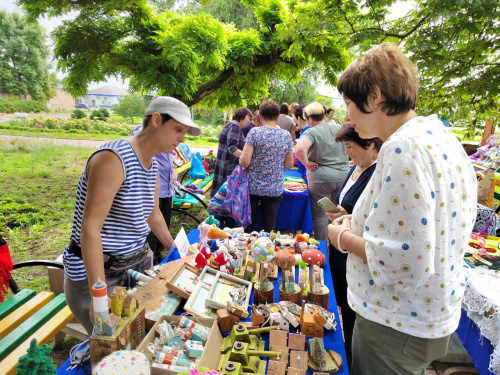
416 215
270 147
231 139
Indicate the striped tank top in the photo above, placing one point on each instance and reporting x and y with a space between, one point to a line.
125 228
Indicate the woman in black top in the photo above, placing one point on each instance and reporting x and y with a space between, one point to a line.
363 153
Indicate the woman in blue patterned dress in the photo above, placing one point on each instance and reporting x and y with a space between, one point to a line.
267 152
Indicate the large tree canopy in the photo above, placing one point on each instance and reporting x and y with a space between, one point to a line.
454 44
24 68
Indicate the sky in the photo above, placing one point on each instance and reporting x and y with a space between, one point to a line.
397 10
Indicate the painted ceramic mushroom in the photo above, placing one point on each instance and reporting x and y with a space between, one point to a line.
313 257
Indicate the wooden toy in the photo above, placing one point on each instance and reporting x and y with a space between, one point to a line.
298 359
111 324
322 360
318 292
227 288
257 317
263 252
280 321
252 269
309 326
226 320
250 359
276 368
184 280
289 290
296 371
196 302
194 348
296 341
237 310
130 305
241 333
283 357
278 338
117 299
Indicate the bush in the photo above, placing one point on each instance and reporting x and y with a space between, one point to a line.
78 113
99 115
17 105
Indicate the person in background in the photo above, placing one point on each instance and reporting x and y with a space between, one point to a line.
117 206
302 127
486 189
325 161
411 225
285 122
330 112
267 152
256 119
363 153
293 108
231 142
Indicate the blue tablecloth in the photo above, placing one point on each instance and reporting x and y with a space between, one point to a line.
333 340
478 346
295 211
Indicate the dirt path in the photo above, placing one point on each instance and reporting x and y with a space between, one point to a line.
86 142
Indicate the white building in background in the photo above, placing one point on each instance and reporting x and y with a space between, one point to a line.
103 97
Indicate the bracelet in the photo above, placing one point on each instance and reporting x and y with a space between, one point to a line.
339 248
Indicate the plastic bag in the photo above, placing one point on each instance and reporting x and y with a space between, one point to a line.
215 205
197 170
237 201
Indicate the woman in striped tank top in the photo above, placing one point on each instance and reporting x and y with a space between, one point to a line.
117 206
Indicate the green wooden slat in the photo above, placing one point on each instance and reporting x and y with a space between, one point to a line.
190 181
21 333
206 181
15 301
497 196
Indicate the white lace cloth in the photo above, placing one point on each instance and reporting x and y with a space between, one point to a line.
482 303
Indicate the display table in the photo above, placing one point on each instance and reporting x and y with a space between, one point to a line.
333 340
479 327
295 211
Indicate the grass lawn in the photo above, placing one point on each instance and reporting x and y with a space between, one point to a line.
37 194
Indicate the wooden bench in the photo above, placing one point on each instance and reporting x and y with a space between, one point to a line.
28 315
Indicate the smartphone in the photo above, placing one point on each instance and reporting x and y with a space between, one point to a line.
327 205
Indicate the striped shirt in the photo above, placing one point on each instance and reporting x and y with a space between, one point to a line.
125 228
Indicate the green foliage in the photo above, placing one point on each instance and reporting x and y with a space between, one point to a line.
37 361
78 113
99 114
24 66
12 105
131 106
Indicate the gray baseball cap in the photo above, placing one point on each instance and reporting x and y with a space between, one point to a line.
176 109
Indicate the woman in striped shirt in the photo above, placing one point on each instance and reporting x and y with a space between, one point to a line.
117 206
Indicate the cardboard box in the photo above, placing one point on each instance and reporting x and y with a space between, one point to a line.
56 277
211 352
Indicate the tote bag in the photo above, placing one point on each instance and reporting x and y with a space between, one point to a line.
237 201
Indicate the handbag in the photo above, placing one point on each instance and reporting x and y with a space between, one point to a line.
237 201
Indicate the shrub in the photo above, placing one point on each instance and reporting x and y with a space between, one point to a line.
17 105
98 114
78 113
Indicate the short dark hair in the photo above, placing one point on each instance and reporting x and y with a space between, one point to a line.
164 118
299 112
330 110
348 134
241 113
284 110
387 68
269 110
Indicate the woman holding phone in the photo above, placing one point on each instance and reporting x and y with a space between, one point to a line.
363 153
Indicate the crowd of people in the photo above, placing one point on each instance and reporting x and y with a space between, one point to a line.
406 207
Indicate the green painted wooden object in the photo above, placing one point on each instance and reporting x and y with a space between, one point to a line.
14 302
26 329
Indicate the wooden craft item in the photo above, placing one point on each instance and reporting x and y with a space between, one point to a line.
226 320
322 360
128 335
284 353
239 311
252 269
257 317
318 293
272 274
309 326
150 295
296 371
196 304
278 338
250 325
223 285
296 341
192 278
298 359
276 368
